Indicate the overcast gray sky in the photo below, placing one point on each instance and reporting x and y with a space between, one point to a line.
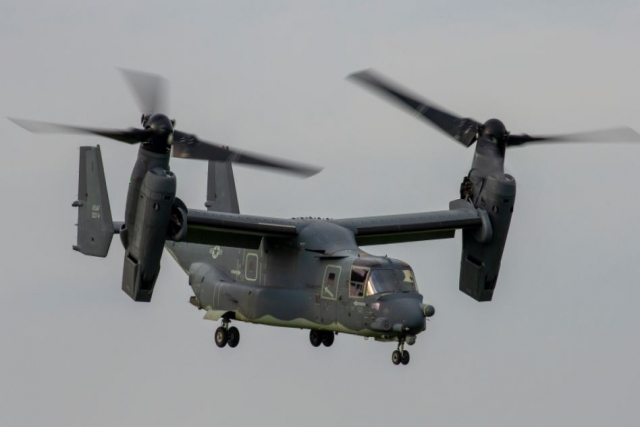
558 346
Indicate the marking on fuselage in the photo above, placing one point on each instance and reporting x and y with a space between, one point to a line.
95 212
215 252
308 324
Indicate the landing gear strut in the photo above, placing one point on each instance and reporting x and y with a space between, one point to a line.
321 337
227 335
400 355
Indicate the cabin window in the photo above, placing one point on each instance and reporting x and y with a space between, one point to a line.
251 268
329 290
330 282
358 279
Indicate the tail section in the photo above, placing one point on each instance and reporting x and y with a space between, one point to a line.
221 188
95 226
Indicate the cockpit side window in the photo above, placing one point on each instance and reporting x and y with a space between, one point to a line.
381 281
358 279
408 280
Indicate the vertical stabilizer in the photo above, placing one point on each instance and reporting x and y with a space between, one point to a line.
221 188
95 226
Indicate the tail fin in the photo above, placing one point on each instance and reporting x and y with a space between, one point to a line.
221 188
95 227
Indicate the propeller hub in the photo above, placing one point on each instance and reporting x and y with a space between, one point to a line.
494 129
159 123
162 136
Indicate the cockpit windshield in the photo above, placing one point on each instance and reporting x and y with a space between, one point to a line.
407 280
380 281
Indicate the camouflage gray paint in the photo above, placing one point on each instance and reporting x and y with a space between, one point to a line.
300 273
289 286
303 273
306 281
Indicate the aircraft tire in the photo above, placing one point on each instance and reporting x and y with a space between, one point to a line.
234 337
396 357
221 337
327 338
315 337
405 357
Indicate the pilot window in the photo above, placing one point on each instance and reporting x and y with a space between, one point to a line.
384 280
408 281
358 279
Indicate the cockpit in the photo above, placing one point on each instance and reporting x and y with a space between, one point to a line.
371 281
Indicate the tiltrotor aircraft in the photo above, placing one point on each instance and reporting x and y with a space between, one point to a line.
298 273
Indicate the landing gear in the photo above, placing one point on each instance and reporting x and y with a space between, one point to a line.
315 337
327 338
400 355
405 357
227 335
234 337
221 337
321 337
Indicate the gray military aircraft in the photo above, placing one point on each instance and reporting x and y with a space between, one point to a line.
301 273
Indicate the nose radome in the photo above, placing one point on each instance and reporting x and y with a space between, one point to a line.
412 317
417 321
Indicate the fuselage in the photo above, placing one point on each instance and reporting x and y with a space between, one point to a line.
319 280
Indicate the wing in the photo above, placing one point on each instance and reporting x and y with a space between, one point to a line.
247 231
233 230
379 230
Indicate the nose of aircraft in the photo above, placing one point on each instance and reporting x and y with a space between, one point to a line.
409 316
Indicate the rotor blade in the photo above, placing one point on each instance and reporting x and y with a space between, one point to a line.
129 136
463 130
621 134
149 89
190 147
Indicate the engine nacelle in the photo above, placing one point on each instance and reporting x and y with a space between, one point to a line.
146 240
481 258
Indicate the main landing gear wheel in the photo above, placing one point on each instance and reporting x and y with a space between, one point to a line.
396 357
321 337
221 337
315 337
405 357
327 338
233 335
227 335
